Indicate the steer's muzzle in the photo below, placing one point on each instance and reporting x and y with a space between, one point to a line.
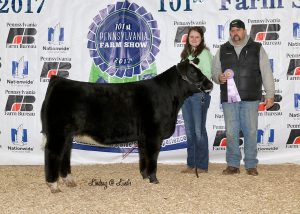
206 86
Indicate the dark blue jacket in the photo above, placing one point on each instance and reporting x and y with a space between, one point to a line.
247 74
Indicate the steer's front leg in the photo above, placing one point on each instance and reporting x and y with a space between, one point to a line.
152 151
142 161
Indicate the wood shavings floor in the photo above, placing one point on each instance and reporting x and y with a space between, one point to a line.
119 188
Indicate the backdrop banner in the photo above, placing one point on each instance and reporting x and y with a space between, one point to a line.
104 41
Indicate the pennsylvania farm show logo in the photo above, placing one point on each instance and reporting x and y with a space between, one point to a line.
123 41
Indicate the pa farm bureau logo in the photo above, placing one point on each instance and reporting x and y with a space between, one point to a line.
21 35
123 41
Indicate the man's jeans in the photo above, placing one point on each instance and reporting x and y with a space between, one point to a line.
241 116
194 112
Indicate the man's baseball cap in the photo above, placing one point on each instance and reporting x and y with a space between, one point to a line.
237 23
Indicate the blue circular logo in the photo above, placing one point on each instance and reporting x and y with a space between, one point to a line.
123 39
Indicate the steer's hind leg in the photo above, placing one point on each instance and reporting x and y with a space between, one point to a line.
152 151
53 154
65 167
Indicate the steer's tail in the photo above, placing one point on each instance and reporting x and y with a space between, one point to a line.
44 108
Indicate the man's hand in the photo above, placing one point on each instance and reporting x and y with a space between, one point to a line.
269 102
222 78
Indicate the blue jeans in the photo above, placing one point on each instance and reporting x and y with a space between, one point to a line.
241 116
194 112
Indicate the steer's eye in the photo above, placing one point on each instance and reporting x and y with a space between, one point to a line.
193 72
192 75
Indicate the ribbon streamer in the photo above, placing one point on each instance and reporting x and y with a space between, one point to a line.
232 92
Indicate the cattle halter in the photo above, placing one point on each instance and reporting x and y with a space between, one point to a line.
197 84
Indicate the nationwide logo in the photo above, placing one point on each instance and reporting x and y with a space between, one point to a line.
293 72
223 32
266 139
19 105
20 68
274 110
19 72
19 139
56 39
296 31
293 115
220 141
294 139
296 36
56 35
266 135
55 68
21 38
297 102
181 35
19 136
267 34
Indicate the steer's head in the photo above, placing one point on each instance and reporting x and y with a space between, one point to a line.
189 72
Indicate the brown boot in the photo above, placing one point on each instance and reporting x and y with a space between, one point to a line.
230 170
252 171
188 170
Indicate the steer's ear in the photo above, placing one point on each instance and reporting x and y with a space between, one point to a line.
185 60
196 61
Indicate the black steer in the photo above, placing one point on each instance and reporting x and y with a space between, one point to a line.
144 111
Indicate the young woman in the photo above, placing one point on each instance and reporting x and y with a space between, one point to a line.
194 109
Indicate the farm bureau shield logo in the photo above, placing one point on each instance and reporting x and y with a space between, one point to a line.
21 38
265 32
294 68
294 139
16 103
220 141
55 68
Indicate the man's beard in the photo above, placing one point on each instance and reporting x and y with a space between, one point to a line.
236 38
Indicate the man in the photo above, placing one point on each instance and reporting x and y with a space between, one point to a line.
241 66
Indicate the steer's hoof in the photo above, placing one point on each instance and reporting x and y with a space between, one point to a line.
55 190
153 180
144 174
69 181
53 187
70 184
